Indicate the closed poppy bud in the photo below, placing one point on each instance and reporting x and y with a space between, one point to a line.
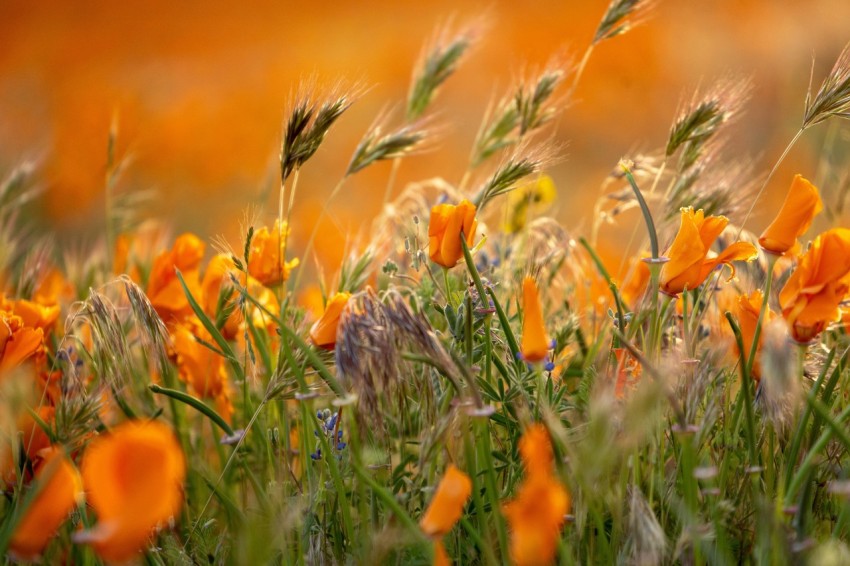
689 263
801 205
446 506
134 482
57 496
444 229
811 297
323 331
535 345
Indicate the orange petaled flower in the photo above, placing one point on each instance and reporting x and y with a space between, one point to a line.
265 258
801 205
747 310
811 298
201 368
33 314
18 342
689 263
538 511
323 331
444 229
535 346
446 506
636 282
61 491
164 289
134 482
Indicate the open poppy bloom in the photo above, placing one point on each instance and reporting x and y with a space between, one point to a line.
265 258
444 229
689 263
537 512
164 289
534 346
18 342
134 482
323 331
61 491
812 295
747 310
201 368
802 204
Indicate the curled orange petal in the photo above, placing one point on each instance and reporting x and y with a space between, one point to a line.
323 331
446 506
802 204
535 345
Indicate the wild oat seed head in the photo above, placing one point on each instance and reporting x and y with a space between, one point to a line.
833 97
377 146
620 17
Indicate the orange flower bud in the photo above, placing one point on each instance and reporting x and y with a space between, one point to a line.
56 498
265 258
444 228
689 265
801 205
535 345
446 506
812 295
747 311
134 482
323 331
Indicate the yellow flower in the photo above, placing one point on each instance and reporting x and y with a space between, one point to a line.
801 205
444 229
747 310
61 492
533 197
134 482
537 512
446 506
323 331
689 263
535 345
265 258
812 295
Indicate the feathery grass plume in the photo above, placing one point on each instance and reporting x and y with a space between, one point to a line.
647 540
781 392
371 339
620 17
151 328
15 191
701 119
833 97
523 163
715 184
526 109
439 60
110 353
307 125
355 271
377 146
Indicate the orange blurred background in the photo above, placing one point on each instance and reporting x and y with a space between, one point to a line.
200 90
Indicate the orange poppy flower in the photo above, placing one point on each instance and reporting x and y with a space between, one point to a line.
201 368
164 289
747 311
801 205
33 314
689 263
444 228
636 282
18 342
323 331
265 261
812 295
134 482
61 492
535 345
537 512
446 506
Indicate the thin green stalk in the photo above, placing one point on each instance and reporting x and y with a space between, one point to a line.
196 404
771 261
746 399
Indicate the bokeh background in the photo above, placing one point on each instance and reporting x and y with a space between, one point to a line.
199 90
